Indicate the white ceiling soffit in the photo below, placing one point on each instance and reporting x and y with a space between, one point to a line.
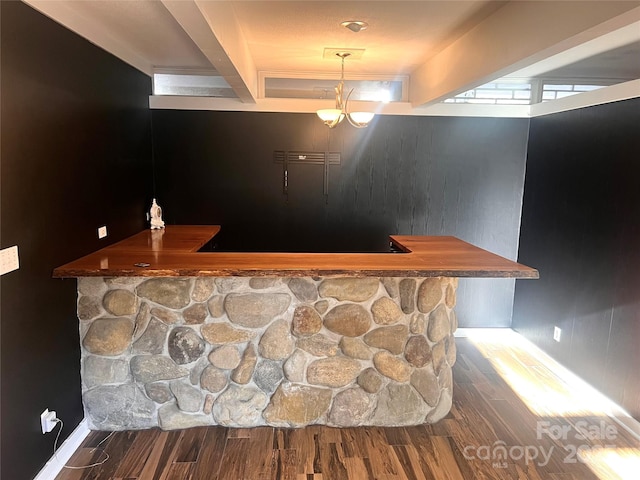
518 35
612 54
446 47
142 33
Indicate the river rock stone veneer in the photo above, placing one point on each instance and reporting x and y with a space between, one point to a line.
244 352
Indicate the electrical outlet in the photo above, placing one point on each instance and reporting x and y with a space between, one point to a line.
102 231
9 260
48 420
557 333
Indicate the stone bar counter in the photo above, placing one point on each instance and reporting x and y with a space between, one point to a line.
177 338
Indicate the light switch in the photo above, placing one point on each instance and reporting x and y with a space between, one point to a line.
102 231
9 260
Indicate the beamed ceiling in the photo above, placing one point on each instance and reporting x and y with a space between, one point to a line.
440 48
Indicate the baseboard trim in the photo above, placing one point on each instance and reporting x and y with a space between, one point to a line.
60 458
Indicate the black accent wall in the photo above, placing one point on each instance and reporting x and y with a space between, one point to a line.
75 155
581 229
401 175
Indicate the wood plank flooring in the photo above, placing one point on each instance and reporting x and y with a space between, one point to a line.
541 443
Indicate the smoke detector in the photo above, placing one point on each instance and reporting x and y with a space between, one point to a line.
355 25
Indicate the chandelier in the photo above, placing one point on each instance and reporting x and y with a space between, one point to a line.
333 116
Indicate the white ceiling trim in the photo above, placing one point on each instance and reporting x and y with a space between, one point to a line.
289 105
489 50
613 93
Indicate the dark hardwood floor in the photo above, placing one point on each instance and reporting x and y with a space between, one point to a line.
549 430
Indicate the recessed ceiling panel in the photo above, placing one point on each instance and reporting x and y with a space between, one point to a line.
291 36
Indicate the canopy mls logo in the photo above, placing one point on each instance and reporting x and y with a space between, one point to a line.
500 454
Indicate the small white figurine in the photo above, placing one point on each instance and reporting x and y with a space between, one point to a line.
156 216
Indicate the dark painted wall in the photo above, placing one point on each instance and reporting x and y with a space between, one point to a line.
581 229
75 156
401 175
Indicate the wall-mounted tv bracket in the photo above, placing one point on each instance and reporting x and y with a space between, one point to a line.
309 158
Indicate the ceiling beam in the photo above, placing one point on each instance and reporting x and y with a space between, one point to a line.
517 35
214 28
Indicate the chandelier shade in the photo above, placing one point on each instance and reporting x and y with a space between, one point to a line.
331 116
361 118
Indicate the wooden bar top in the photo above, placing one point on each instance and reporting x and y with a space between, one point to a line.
173 252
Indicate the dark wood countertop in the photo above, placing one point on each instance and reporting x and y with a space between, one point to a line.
173 252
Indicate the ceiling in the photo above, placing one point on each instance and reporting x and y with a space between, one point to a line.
440 48
619 64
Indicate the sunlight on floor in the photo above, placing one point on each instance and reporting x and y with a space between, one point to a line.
546 387
551 391
613 463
